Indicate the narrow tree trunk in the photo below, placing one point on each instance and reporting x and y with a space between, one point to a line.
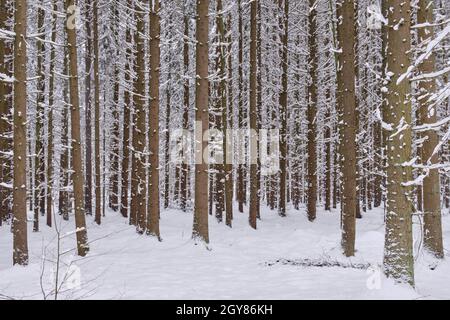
98 188
432 227
312 111
51 107
20 242
240 170
88 112
125 175
283 112
153 191
253 118
184 166
77 165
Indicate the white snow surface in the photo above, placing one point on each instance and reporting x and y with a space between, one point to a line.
125 265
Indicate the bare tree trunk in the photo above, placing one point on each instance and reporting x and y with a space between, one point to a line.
88 111
64 201
347 122
240 170
200 227
228 124
398 251
77 165
19 227
98 188
312 111
432 227
253 117
51 106
283 111
153 191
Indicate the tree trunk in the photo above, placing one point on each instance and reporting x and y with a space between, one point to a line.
20 242
153 191
98 188
312 112
253 213
88 112
51 105
432 227
347 123
77 165
200 227
283 111
139 184
398 251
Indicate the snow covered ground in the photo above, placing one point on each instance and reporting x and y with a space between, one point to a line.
240 263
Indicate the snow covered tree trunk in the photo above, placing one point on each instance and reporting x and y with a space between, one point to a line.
184 176
126 156
51 106
20 242
77 164
153 191
98 187
347 122
200 227
398 253
432 227
88 111
139 184
5 114
39 162
240 169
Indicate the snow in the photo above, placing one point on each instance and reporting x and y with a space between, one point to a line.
239 263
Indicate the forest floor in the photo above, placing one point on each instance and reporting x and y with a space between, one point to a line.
286 258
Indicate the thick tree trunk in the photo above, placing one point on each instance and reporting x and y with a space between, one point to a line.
200 227
398 252
19 227
347 122
139 184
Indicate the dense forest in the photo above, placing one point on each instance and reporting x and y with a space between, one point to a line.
222 108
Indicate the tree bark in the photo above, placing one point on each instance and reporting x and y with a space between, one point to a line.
432 225
19 227
200 227
398 251
347 122
77 165
153 191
